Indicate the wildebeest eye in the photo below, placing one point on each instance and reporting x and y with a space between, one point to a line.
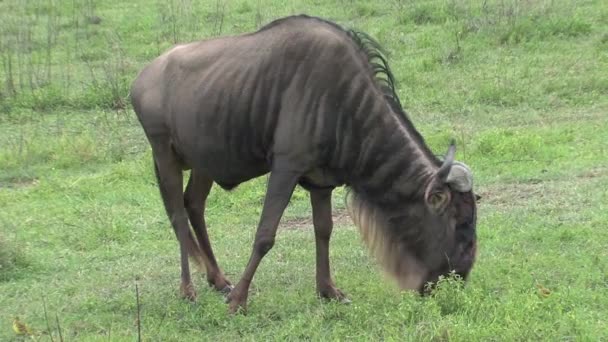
438 201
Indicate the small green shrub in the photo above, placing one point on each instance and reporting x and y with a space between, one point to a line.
244 7
423 14
539 28
42 99
366 9
508 144
450 295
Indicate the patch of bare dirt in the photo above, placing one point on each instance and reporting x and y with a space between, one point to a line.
17 182
595 172
339 216
558 190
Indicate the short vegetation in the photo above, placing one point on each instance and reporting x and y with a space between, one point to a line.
521 85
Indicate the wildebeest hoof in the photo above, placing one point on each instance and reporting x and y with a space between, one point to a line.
333 293
345 301
235 308
237 304
226 290
188 292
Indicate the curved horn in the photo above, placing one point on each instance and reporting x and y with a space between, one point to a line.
460 177
444 169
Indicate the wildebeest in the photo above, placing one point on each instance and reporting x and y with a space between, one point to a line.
312 104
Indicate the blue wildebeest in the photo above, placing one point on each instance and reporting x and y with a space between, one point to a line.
312 104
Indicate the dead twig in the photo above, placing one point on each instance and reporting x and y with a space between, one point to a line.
58 328
138 312
46 318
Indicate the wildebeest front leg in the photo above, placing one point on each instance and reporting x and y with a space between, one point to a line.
197 190
280 188
322 221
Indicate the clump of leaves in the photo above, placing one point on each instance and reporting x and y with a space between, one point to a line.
449 294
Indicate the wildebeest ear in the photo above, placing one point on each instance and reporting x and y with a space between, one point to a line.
477 198
437 195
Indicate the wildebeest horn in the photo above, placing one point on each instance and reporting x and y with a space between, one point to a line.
460 177
455 173
444 171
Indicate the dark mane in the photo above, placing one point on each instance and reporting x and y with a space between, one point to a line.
374 52
376 57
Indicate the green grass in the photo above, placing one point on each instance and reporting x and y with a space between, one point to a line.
520 85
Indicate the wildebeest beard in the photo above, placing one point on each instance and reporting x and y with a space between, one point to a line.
414 256
383 242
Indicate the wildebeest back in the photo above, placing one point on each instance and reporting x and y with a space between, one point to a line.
247 98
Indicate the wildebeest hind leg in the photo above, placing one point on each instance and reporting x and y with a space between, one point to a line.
170 182
197 190
278 192
320 200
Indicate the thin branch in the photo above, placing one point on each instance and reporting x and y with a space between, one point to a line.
138 313
58 328
46 318
518 161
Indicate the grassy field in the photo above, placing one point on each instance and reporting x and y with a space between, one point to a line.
521 85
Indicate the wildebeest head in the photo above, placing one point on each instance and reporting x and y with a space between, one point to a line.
430 235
